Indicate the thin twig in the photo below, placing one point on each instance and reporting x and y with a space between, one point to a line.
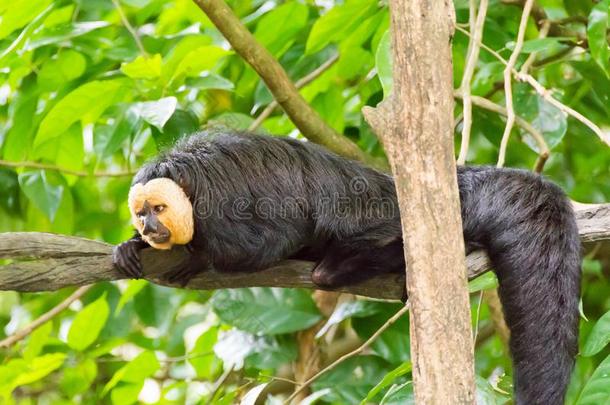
185 357
540 89
299 84
478 317
353 353
532 57
218 383
21 334
483 46
556 28
508 83
45 166
130 28
473 56
521 122
546 94
540 162
543 155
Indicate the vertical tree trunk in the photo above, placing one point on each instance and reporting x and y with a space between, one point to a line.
416 127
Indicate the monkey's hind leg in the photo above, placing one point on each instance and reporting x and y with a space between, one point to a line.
346 264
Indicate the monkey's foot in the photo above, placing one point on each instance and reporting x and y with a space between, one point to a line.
181 276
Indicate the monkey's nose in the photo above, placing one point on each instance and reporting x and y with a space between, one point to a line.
149 230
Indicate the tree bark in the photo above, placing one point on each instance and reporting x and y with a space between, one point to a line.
57 261
416 128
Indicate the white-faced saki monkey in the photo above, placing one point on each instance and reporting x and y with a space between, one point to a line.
241 202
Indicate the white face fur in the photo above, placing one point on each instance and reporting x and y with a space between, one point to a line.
177 215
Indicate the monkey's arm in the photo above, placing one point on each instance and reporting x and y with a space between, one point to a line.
126 256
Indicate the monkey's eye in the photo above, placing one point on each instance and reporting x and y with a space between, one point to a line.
158 208
140 214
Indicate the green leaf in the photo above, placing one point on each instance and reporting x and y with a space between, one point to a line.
597 35
126 394
485 281
23 117
88 324
388 379
156 306
339 22
86 103
202 358
273 32
157 112
44 195
354 61
233 120
383 62
8 301
538 44
108 139
486 394
351 380
392 344
599 336
210 81
39 368
9 195
65 150
133 287
349 309
198 60
78 379
545 117
266 310
597 389
68 65
143 67
400 394
61 33
233 346
253 394
17 372
16 14
135 371
330 107
180 124
37 340
272 351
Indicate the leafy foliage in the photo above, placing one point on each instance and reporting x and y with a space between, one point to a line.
83 94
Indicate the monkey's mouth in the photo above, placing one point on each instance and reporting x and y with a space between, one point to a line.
158 238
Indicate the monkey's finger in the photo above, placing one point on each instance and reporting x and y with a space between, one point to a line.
118 261
122 267
135 266
121 257
126 267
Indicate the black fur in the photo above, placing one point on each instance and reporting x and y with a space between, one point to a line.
261 199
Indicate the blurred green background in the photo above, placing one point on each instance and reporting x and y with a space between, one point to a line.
89 90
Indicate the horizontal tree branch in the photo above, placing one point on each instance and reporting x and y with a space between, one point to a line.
48 262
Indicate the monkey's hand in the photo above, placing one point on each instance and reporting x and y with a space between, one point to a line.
126 257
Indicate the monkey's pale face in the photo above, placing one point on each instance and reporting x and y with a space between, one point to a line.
162 213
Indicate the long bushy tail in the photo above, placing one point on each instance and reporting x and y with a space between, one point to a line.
528 228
